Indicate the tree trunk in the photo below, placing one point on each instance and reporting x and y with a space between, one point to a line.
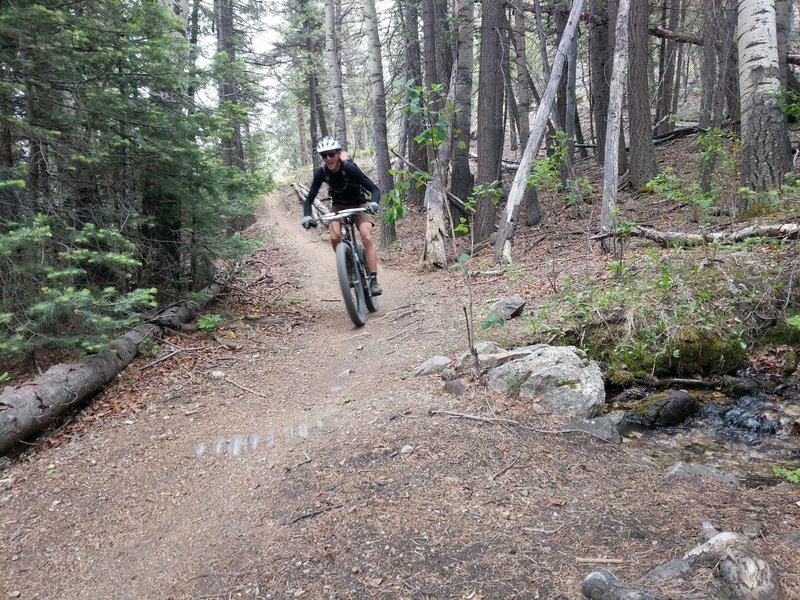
666 69
599 57
462 179
313 120
433 254
710 11
301 135
533 210
490 116
765 138
444 44
783 26
429 39
731 69
502 252
232 145
34 406
643 165
335 70
608 217
413 68
521 64
382 163
571 107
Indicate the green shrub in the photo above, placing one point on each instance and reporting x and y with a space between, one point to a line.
65 287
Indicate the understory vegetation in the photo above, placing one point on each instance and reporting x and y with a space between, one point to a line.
675 309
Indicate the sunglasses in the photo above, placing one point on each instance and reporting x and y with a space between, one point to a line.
328 154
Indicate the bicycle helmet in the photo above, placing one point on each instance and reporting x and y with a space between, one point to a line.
328 143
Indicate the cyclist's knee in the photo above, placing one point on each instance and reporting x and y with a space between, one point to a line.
366 235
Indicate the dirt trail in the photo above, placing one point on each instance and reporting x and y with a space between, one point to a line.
144 505
306 464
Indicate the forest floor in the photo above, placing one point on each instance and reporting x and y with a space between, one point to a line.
293 455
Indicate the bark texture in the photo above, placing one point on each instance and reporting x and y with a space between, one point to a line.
608 209
490 115
462 179
600 59
31 408
333 57
643 165
765 136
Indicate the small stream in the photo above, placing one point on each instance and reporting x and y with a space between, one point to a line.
744 436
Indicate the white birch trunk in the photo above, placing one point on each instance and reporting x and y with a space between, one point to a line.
502 251
765 139
608 211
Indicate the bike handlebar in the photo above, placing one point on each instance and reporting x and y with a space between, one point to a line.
342 214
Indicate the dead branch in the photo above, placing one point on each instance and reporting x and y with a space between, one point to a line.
514 423
241 387
453 198
669 238
162 359
604 561
314 513
505 469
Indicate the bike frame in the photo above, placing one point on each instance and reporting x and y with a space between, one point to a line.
351 266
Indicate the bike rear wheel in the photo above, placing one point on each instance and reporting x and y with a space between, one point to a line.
351 284
369 299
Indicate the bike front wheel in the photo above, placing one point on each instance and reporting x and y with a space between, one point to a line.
351 284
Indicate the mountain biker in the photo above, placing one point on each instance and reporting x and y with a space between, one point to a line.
345 181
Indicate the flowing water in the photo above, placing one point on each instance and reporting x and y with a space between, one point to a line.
744 437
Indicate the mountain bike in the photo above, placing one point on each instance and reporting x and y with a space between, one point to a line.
351 267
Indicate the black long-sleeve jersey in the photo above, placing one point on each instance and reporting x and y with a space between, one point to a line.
345 186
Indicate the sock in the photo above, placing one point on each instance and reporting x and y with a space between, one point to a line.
373 276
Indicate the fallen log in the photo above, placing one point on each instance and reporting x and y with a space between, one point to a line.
317 207
28 409
788 231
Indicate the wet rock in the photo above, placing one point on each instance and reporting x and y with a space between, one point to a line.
789 391
634 393
737 387
664 409
606 427
743 418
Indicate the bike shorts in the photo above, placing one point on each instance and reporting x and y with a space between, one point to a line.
360 218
